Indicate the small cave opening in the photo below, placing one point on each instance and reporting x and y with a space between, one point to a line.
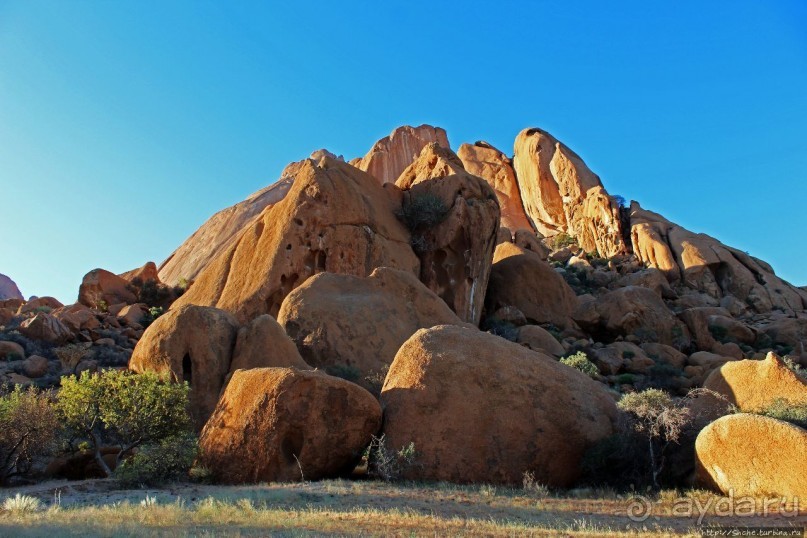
187 368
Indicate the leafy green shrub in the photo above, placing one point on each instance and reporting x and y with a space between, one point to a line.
153 293
579 361
626 379
562 240
168 460
153 313
499 327
783 410
123 409
28 429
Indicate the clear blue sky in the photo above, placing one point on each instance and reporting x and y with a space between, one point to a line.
125 125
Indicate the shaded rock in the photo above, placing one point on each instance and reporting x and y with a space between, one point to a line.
99 287
388 157
530 241
539 339
752 455
47 328
39 304
510 314
788 332
335 218
10 351
456 253
132 315
193 344
561 195
483 160
520 278
142 274
263 343
652 279
283 425
480 409
665 353
697 321
35 366
729 329
9 289
77 317
354 326
754 385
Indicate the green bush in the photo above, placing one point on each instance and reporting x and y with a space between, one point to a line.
422 211
579 361
168 460
783 410
153 313
28 429
562 240
122 409
499 327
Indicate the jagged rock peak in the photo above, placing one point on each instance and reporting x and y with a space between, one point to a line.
9 289
392 154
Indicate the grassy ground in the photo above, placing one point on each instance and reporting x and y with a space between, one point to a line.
98 508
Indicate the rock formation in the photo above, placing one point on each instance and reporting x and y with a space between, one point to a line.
100 287
388 157
9 289
287 425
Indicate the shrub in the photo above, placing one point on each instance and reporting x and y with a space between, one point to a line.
790 363
28 428
21 504
153 293
530 484
70 355
783 410
153 313
579 361
123 409
422 211
168 460
562 240
626 379
386 463
719 333
499 327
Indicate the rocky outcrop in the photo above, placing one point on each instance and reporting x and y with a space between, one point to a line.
561 195
47 328
753 385
354 326
142 274
284 425
705 264
388 157
751 455
193 344
483 160
9 289
631 311
263 343
480 409
335 218
520 278
218 233
101 288
539 339
455 254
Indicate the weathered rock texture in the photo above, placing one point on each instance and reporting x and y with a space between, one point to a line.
47 328
481 409
9 289
193 344
754 385
219 232
753 455
561 195
283 425
335 218
520 278
456 254
347 324
483 160
392 154
705 264
263 343
99 287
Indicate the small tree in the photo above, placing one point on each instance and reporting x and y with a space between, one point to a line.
658 418
28 428
123 409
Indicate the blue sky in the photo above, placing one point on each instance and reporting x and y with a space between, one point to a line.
125 125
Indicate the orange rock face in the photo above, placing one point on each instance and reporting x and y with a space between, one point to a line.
46 327
388 157
561 194
9 289
520 278
262 344
192 344
335 218
284 425
343 323
99 285
753 385
705 264
480 409
456 254
483 160
753 455
145 273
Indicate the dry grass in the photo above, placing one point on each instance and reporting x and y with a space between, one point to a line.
97 508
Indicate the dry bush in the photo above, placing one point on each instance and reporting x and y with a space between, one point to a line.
71 355
28 428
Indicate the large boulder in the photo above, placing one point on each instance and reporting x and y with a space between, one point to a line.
11 351
751 455
631 311
39 304
46 328
753 385
263 343
483 160
354 326
101 288
707 265
193 344
283 425
561 195
392 154
455 254
335 218
520 278
480 409
142 274
539 339
9 289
